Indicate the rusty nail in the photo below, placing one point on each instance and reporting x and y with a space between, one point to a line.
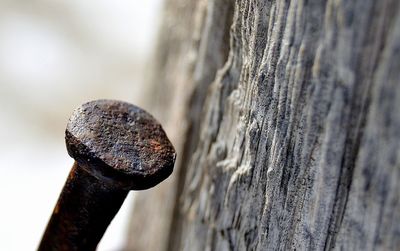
117 147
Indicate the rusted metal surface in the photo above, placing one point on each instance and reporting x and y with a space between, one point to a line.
84 210
117 147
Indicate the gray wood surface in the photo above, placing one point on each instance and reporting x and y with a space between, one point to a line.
286 118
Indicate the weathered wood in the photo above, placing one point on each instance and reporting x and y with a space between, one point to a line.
285 116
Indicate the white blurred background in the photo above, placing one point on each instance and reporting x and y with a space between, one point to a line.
54 56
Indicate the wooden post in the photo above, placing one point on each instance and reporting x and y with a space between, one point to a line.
286 119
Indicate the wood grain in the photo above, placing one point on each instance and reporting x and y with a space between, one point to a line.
286 118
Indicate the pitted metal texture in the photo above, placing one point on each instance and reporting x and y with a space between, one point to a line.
117 140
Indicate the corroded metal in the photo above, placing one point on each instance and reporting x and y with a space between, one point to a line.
117 147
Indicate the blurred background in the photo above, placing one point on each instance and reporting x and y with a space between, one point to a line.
55 56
